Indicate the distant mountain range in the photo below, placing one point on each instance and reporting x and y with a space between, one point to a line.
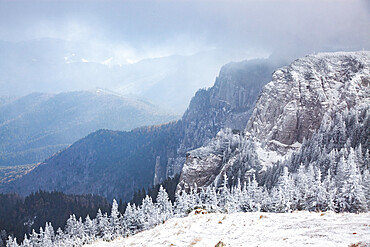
116 164
34 127
312 114
53 65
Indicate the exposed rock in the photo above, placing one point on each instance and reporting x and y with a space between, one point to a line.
228 104
290 109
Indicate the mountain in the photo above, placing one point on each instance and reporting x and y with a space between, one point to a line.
117 164
35 126
289 110
54 65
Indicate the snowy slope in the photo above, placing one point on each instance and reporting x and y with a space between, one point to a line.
255 229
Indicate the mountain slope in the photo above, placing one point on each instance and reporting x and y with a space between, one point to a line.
116 164
290 109
244 229
35 126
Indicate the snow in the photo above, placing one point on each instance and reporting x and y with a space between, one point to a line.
267 157
255 229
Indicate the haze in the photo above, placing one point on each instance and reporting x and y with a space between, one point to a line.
41 40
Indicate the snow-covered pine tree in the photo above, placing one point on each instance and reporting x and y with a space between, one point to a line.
34 238
211 200
164 205
284 194
224 197
149 213
90 229
331 192
26 242
237 197
320 197
99 224
302 184
366 186
254 195
351 196
114 220
11 242
47 237
133 219
60 238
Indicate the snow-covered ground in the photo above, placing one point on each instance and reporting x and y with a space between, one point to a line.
255 229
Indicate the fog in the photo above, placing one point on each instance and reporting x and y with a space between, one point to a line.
121 33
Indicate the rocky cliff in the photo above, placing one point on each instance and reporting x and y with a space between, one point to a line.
228 104
289 109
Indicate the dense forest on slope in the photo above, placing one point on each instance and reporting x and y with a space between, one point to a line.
107 163
20 215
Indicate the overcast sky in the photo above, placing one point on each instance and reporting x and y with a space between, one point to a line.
139 29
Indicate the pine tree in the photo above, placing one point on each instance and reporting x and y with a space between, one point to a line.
47 236
366 186
211 201
302 184
237 197
284 193
71 229
182 204
90 229
149 213
99 224
107 228
224 197
164 205
351 196
60 239
114 220
133 220
320 202
254 195
26 242
331 192
34 238
11 242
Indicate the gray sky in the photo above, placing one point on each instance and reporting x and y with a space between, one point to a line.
140 29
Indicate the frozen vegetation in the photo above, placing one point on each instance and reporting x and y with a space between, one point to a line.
302 191
255 229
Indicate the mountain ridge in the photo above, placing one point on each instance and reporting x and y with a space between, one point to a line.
157 151
278 125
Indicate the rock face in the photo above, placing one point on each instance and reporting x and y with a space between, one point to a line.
290 109
228 104
116 164
292 105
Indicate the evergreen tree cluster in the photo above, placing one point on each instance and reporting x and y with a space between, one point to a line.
304 190
19 215
78 232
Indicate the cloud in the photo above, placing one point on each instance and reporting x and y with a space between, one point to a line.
137 29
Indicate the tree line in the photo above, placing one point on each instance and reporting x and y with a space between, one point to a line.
346 191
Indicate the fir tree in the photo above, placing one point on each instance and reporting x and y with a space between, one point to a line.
164 205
